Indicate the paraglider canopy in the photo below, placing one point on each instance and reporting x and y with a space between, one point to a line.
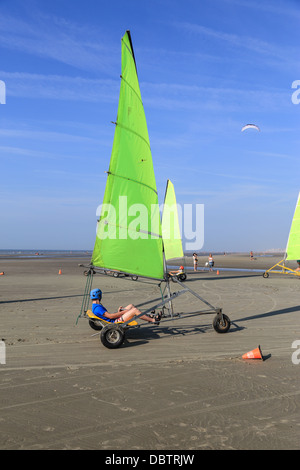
250 126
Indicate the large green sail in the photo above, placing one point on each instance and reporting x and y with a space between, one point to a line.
293 245
170 225
129 230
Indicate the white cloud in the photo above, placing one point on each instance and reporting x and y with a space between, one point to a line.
58 87
162 95
28 152
45 135
178 96
58 39
285 8
250 43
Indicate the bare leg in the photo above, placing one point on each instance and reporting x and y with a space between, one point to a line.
131 311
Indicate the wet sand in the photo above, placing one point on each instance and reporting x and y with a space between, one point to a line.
179 386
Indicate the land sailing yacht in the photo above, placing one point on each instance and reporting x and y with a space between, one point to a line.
136 247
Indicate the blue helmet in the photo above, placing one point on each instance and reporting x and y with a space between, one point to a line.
96 294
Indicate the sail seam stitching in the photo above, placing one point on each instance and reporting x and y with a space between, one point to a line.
145 232
128 48
134 181
133 132
128 84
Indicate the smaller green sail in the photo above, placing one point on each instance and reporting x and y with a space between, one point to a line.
293 245
170 225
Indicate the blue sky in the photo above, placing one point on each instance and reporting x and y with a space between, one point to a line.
206 68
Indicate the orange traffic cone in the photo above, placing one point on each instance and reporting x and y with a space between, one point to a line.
218 272
2 274
254 354
59 272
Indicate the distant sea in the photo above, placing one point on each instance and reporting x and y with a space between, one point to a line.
44 253
82 253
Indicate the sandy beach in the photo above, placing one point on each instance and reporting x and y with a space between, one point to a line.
177 386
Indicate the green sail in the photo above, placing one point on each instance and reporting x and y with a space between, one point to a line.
170 225
293 245
129 235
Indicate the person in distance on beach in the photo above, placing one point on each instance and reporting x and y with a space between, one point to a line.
123 314
195 261
210 262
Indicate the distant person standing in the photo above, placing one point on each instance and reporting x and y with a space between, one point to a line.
195 261
251 256
210 262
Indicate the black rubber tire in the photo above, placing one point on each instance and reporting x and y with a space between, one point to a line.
89 271
112 336
221 323
265 275
96 325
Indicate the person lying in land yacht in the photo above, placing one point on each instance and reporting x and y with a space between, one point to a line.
124 313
